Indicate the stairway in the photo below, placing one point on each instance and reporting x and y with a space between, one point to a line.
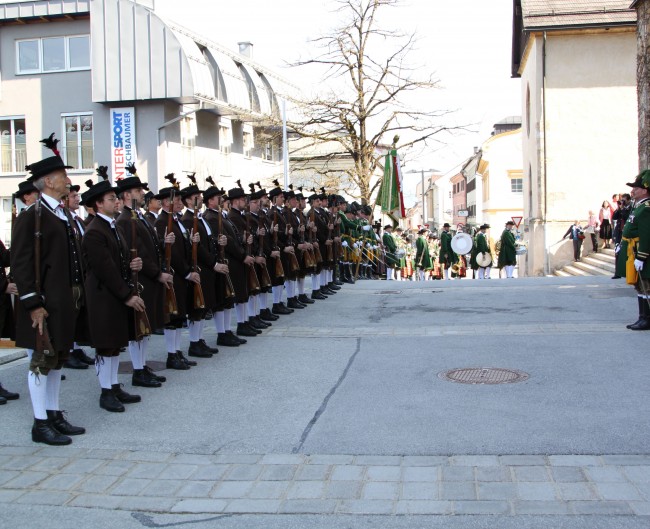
593 264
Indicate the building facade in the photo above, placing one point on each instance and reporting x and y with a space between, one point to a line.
118 83
577 64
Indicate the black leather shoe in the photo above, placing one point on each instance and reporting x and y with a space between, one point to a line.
316 294
61 425
44 432
327 291
258 324
293 303
198 351
3 401
267 315
123 396
253 328
143 379
242 341
8 395
153 375
245 330
333 286
191 363
279 308
305 300
338 282
641 325
206 347
228 340
109 402
174 362
616 277
80 355
74 363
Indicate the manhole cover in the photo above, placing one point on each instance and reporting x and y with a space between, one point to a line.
126 368
483 375
389 292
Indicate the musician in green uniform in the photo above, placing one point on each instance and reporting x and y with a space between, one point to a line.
481 246
422 257
635 249
348 239
447 255
391 251
507 255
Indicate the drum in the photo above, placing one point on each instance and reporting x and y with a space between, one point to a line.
461 243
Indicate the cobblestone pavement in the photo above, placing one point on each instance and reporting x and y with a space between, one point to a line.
303 484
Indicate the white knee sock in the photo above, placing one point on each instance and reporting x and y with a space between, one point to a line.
277 294
240 310
136 354
30 352
227 319
177 340
315 282
37 392
389 274
104 366
115 366
301 286
195 331
52 389
217 318
263 301
250 307
487 272
170 340
481 273
143 349
323 278
291 289
446 273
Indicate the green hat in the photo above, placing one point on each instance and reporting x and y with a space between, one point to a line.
642 180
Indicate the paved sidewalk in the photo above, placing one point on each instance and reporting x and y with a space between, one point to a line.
326 484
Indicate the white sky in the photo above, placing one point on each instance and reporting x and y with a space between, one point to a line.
466 44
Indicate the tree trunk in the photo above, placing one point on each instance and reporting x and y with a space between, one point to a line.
643 81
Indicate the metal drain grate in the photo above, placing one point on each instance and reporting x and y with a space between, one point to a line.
483 375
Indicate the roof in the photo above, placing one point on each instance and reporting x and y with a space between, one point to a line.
20 10
546 14
552 15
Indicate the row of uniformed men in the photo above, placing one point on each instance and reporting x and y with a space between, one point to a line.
86 293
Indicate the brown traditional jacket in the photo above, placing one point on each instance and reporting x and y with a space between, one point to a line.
206 257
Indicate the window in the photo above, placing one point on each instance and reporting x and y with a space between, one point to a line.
55 54
188 141
13 149
248 144
78 150
517 185
225 139
268 151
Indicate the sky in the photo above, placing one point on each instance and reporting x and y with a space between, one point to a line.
465 44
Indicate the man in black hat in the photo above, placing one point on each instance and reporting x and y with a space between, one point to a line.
226 236
507 253
54 303
110 297
391 251
206 261
152 207
447 256
181 267
307 258
131 190
282 231
27 193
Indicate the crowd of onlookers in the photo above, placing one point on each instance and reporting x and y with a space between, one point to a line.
604 228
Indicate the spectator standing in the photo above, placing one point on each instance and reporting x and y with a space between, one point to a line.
592 230
605 217
576 234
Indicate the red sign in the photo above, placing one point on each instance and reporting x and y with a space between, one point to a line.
517 221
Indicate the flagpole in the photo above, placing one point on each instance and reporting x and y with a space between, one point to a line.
285 149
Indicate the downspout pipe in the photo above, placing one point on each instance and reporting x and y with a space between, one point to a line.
547 261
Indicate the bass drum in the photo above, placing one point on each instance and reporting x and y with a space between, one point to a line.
461 243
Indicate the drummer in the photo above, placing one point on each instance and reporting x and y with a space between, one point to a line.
483 253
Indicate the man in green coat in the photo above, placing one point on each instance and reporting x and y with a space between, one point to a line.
635 249
480 253
422 257
447 255
507 255
391 251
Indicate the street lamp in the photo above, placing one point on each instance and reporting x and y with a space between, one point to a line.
424 207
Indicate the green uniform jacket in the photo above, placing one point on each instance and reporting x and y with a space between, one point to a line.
507 255
391 248
422 258
445 248
637 225
480 246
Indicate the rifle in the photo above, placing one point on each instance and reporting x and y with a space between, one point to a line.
279 270
265 278
330 247
307 257
294 265
199 302
228 287
140 319
170 307
253 281
317 255
43 343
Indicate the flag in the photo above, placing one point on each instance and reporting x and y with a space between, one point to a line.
391 198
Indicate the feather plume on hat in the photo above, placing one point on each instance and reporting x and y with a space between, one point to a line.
170 178
192 177
89 183
239 185
277 184
102 172
210 181
130 167
258 184
50 142
252 188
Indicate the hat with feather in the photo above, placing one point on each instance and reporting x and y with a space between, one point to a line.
133 181
98 190
47 165
174 188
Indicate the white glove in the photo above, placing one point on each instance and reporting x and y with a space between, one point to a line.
638 265
356 245
374 247
344 244
367 227
368 245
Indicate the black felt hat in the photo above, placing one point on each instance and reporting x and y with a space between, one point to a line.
192 189
45 167
236 192
100 188
24 188
131 182
446 225
166 192
642 180
484 227
277 190
75 188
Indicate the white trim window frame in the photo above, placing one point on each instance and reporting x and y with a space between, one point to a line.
40 67
517 185
16 165
81 124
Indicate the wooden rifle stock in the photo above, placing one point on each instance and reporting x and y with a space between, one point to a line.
294 265
253 281
141 320
265 278
170 307
317 255
229 288
199 301
279 269
307 257
330 247
43 343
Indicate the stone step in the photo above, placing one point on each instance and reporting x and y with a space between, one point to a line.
575 271
606 266
591 269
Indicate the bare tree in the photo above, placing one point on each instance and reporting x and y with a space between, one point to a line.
367 102
643 80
